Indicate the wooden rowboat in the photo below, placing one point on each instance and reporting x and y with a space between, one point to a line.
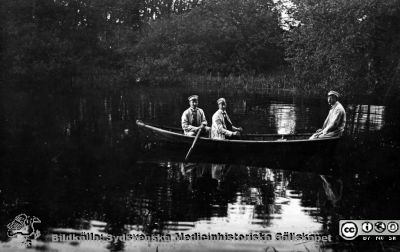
254 144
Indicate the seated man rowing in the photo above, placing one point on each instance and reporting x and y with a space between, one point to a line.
193 118
335 121
222 126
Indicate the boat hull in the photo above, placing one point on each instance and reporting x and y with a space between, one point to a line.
254 147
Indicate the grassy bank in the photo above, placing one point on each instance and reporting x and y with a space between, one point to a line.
282 81
107 79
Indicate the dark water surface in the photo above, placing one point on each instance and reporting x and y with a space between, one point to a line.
75 162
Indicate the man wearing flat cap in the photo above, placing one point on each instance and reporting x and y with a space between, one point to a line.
335 121
222 126
193 118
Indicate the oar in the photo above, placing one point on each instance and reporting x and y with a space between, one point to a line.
194 142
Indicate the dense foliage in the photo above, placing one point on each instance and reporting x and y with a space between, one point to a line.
220 36
348 45
65 39
351 45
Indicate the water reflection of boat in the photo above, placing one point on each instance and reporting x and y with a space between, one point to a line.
264 144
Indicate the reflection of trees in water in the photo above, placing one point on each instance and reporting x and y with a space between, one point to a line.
253 197
64 188
365 118
347 196
159 106
109 114
156 198
285 118
104 117
148 198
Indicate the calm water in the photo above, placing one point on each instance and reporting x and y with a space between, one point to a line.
75 162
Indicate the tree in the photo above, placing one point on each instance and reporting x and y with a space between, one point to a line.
63 39
347 45
228 36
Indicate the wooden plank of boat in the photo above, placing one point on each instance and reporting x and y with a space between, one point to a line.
179 130
266 143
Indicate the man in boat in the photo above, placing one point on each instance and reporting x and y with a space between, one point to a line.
222 127
193 118
335 121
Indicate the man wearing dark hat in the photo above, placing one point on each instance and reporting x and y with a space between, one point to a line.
222 126
335 121
193 118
